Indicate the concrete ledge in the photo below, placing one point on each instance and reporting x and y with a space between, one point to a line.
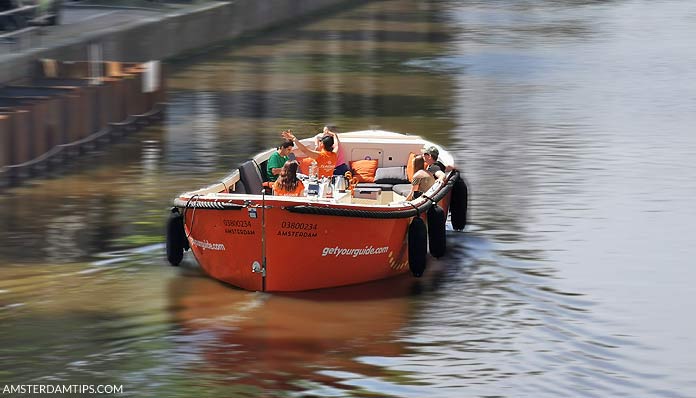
171 34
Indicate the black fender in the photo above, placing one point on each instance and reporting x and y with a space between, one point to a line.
176 237
459 204
436 231
417 246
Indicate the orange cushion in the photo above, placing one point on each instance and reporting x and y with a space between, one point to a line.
409 166
364 170
304 164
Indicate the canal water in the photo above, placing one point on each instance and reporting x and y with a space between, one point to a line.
574 123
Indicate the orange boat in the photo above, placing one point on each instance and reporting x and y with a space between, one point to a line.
245 237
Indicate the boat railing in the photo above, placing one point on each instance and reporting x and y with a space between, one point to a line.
338 206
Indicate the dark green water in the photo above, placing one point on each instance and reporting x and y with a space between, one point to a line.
574 123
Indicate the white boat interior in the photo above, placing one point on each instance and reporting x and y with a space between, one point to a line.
391 150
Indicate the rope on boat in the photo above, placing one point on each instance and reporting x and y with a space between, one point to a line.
206 205
198 204
389 214
415 208
193 215
330 211
451 180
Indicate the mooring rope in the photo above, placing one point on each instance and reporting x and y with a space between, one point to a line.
193 215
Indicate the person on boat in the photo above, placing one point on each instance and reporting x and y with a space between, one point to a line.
434 166
324 154
430 155
287 183
422 179
341 166
278 159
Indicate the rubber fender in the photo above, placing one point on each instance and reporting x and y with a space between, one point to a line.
459 204
176 237
437 241
417 246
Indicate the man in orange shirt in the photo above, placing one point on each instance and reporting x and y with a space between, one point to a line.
324 155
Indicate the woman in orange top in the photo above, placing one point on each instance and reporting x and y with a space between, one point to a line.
324 155
288 184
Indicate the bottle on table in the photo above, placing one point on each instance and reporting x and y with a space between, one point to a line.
313 170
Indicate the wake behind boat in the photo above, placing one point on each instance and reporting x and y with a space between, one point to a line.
334 236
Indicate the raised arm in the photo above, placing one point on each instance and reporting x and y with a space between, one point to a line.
335 138
288 135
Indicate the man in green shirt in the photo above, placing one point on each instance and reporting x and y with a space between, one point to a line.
278 159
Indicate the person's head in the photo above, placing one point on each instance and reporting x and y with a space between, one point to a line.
289 170
327 143
430 154
317 138
418 163
285 148
288 175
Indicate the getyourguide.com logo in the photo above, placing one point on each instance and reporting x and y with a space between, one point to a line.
341 251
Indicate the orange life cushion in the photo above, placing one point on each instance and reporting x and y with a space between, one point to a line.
364 170
409 166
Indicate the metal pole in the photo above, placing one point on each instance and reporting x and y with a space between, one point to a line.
263 239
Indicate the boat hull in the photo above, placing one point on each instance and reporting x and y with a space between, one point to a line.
297 251
244 237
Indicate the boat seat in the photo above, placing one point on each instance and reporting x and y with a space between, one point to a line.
402 189
387 178
238 188
251 177
262 170
384 187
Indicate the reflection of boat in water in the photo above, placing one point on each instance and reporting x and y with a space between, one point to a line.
282 336
274 243
339 314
